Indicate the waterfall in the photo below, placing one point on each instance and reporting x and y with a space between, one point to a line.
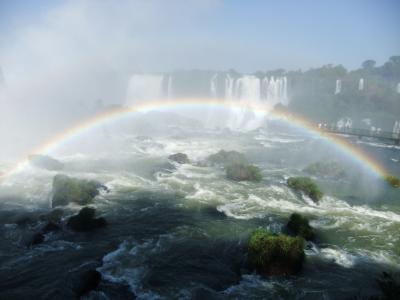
144 87
247 91
169 87
361 84
338 87
274 91
213 86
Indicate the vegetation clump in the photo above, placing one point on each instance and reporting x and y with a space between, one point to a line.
329 168
393 181
226 158
299 225
274 254
67 189
307 186
180 158
241 172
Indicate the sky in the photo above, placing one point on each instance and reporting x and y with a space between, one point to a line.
59 57
158 35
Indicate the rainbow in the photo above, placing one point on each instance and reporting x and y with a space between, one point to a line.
115 114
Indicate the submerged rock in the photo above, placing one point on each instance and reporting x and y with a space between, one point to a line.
275 255
326 168
241 172
46 162
307 186
67 189
35 239
390 286
225 158
50 226
180 158
299 225
85 220
88 281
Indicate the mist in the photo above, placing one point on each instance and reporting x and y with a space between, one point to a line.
199 149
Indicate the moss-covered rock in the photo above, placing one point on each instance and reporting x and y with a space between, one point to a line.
241 172
67 189
85 220
272 254
225 158
180 158
299 225
393 181
45 162
307 186
326 168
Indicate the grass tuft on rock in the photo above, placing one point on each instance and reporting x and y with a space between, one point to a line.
307 186
242 172
393 181
274 254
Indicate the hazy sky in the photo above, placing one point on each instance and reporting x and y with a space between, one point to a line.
160 35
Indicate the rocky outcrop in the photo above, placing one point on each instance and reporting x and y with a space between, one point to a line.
180 158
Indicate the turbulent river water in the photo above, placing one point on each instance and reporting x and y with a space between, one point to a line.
180 231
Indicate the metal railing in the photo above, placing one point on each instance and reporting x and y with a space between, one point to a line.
378 134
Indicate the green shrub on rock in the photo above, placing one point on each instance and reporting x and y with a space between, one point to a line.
225 158
307 186
274 254
67 189
241 172
300 226
393 181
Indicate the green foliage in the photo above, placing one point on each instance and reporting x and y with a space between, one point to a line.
330 168
393 181
241 171
67 189
307 186
300 226
275 254
227 157
313 93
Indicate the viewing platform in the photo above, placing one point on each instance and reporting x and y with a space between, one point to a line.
360 133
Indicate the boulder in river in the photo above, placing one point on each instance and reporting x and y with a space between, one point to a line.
85 220
299 225
275 255
67 189
180 158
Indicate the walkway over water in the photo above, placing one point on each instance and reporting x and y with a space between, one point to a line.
360 133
